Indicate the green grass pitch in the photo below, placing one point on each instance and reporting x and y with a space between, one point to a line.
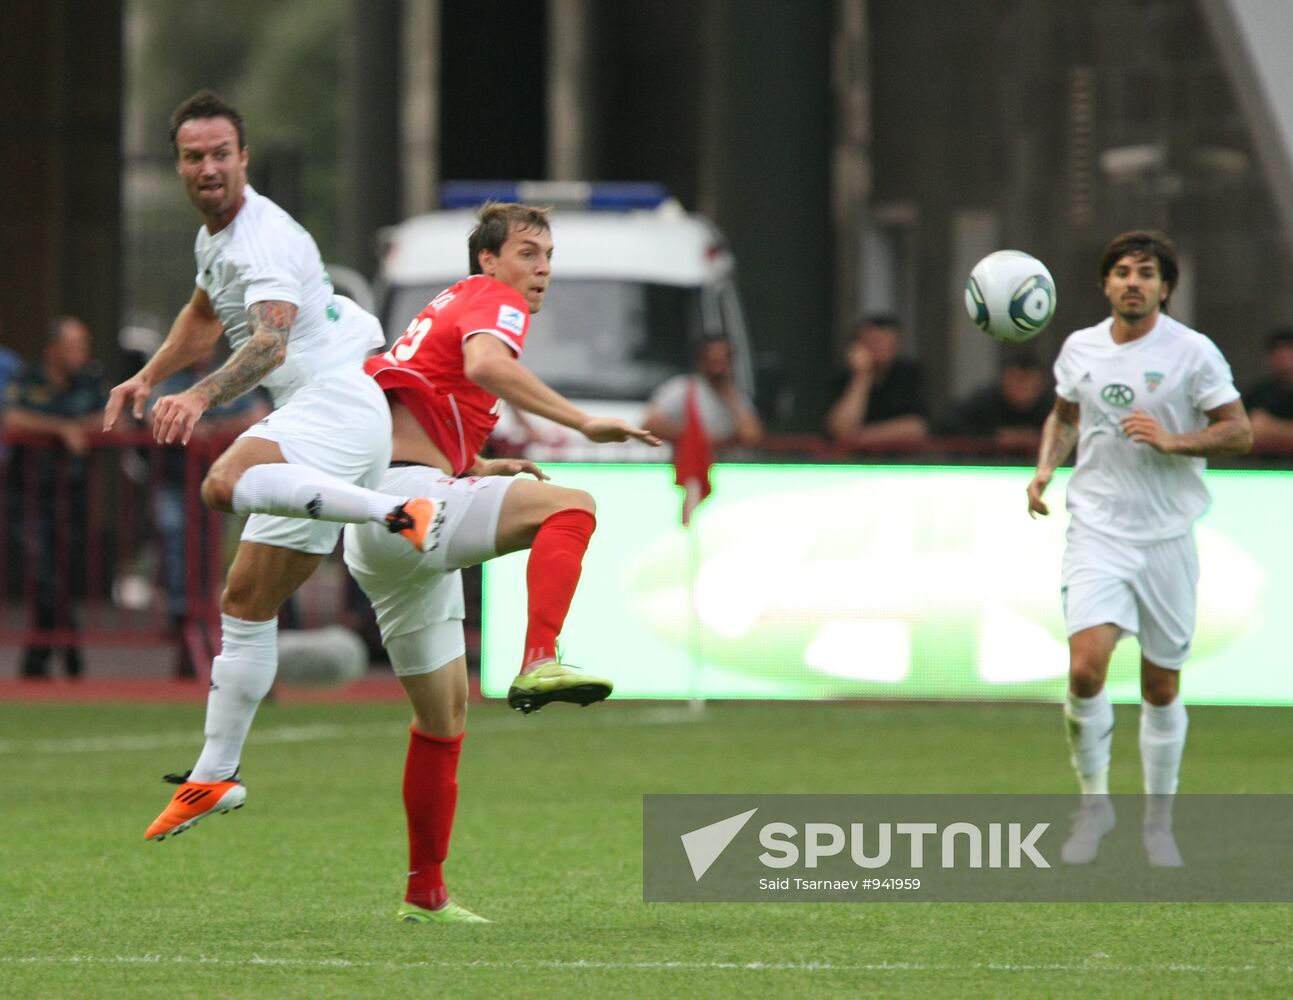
295 895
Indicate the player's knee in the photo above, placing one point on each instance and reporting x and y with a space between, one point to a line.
245 597
217 490
455 718
580 500
557 500
446 719
1086 679
1160 690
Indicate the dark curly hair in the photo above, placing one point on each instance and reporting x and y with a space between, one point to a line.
1142 243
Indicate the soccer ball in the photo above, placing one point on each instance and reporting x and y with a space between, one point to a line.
1010 295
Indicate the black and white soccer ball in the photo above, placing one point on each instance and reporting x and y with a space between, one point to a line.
1010 295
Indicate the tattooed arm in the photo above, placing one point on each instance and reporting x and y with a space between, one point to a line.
1229 432
194 332
175 416
270 323
1059 436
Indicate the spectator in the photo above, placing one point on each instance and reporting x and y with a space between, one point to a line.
880 397
1010 410
169 498
61 396
1270 402
727 413
10 365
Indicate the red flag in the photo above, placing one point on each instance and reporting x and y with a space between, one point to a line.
692 457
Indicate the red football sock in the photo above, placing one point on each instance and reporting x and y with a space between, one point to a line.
556 560
430 797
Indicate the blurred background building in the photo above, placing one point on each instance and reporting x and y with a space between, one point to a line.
860 155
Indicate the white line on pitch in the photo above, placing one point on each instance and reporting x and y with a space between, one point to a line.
327 731
579 964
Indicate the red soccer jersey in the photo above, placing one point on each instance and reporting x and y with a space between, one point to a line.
424 368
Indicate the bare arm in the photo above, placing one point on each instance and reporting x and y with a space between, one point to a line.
193 333
1059 437
505 467
1229 432
19 418
845 418
489 363
271 322
749 428
72 431
661 426
1269 429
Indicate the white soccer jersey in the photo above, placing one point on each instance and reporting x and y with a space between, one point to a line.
265 255
1174 374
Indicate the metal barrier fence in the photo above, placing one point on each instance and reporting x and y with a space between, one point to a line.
114 547
109 547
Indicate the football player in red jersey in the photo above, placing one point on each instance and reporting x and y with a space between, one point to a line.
443 379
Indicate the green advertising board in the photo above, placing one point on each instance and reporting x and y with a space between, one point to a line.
905 582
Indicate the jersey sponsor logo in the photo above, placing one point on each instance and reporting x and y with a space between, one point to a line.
1117 394
511 319
1153 380
315 507
1085 378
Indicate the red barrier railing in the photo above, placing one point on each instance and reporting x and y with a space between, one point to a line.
115 548
109 547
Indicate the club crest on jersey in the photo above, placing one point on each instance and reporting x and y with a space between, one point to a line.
511 319
1153 380
1116 394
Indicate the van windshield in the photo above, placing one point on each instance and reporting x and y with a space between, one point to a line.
595 339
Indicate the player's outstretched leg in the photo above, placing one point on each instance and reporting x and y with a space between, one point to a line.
551 576
288 490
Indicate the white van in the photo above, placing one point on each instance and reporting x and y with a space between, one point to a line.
636 283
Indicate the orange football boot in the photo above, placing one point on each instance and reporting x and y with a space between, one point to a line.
419 520
195 800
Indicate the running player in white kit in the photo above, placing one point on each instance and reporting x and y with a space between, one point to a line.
1147 401
302 471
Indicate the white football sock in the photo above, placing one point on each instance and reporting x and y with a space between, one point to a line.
241 676
1162 742
1090 732
287 490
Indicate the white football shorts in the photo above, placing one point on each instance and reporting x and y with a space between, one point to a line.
340 424
412 590
1150 591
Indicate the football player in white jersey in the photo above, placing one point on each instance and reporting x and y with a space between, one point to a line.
1146 401
302 471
